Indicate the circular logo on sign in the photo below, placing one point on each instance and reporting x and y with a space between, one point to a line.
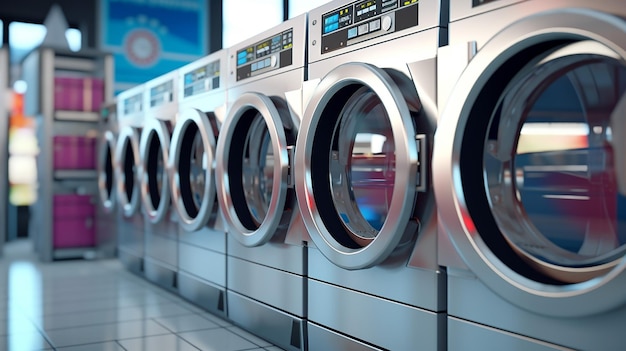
142 47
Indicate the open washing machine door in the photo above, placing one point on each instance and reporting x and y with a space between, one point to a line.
254 176
126 170
526 163
106 169
154 148
192 168
360 164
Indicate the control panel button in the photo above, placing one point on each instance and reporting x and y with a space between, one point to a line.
387 22
375 25
274 60
363 29
352 32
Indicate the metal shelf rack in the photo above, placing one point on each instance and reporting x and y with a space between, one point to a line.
39 69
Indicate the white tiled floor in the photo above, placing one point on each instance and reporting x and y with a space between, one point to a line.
99 306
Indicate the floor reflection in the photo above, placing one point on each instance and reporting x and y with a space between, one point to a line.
24 305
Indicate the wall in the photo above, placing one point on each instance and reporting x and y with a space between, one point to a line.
80 14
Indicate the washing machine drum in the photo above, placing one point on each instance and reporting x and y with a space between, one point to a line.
192 168
126 170
154 150
530 163
254 183
360 165
106 169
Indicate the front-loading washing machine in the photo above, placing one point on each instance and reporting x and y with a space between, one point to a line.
202 239
106 212
363 183
161 225
130 113
266 254
529 174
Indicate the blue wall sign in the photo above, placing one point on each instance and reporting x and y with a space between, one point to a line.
151 37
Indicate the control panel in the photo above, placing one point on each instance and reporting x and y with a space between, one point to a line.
266 55
162 94
133 104
363 20
202 79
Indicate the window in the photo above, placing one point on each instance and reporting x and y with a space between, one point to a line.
74 38
246 18
23 37
298 7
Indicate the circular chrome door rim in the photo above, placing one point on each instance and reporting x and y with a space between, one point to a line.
593 296
107 146
567 56
201 120
403 198
154 128
128 136
265 107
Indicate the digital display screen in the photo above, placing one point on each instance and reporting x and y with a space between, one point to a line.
365 10
388 5
337 19
363 20
202 79
264 56
161 94
133 104
275 44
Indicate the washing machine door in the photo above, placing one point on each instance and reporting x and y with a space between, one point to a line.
253 168
126 170
192 168
527 156
154 149
360 165
106 169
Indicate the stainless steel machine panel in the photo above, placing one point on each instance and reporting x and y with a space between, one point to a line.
254 177
363 175
161 237
257 280
472 337
201 238
413 328
130 113
527 172
107 211
327 339
211 297
200 262
286 331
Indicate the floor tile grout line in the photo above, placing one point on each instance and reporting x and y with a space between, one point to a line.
105 309
243 337
185 331
117 341
112 298
189 342
132 282
99 323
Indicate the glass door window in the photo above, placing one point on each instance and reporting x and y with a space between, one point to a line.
549 164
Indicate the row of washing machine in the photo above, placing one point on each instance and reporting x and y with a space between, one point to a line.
390 174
